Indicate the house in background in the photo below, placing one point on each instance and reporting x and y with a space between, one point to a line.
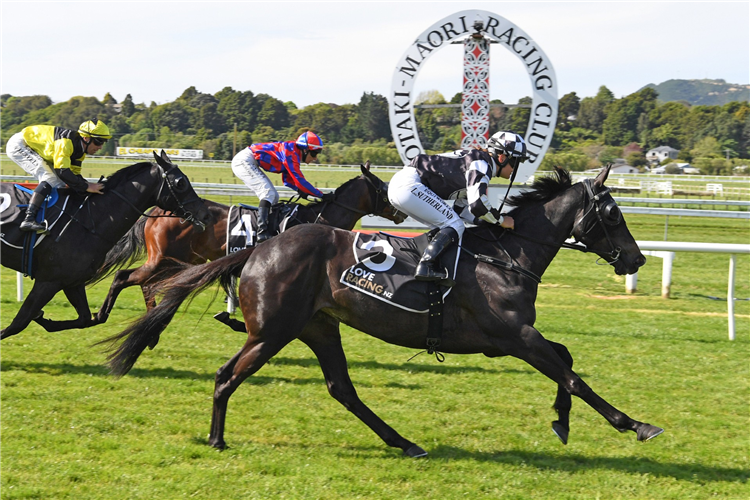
678 168
657 155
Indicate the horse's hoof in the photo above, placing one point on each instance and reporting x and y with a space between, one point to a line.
560 431
219 445
648 431
223 317
415 451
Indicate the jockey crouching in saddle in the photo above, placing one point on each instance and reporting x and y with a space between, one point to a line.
277 157
420 190
54 155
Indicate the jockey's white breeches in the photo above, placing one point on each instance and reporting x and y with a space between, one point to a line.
31 162
246 168
407 193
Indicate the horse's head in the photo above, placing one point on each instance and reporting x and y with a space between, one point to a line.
177 195
601 227
382 206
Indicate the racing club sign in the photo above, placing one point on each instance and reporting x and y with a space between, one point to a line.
458 27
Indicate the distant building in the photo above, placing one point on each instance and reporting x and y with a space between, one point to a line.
682 168
623 168
617 168
657 155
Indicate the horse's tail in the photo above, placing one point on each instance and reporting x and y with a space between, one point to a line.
130 248
183 285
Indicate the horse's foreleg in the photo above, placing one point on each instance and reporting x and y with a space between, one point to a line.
77 297
41 293
561 426
541 355
323 337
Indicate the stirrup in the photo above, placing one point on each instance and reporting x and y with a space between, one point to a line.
34 226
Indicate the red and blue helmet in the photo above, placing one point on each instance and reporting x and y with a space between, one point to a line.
310 141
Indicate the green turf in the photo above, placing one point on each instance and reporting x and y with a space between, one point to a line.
70 431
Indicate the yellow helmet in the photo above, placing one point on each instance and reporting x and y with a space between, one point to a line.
94 128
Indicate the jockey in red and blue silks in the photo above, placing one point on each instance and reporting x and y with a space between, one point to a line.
278 157
284 158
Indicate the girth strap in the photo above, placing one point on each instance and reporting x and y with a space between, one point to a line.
435 320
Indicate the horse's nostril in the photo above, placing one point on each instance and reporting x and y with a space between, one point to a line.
641 261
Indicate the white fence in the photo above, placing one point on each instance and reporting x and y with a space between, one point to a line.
666 250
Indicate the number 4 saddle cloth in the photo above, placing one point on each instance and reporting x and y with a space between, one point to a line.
385 266
242 224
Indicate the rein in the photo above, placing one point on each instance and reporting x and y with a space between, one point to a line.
594 208
185 216
380 197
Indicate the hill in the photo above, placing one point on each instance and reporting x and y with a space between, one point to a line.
703 92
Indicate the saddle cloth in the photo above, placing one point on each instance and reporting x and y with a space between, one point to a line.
385 266
14 199
242 224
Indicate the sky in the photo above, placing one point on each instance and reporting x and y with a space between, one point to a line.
333 52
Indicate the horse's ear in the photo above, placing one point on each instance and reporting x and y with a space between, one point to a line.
165 157
366 167
599 181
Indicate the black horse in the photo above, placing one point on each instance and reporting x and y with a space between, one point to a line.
289 288
71 256
168 242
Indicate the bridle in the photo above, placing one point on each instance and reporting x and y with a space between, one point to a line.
379 205
184 214
601 213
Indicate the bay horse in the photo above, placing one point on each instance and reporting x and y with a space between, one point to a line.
289 288
71 256
169 241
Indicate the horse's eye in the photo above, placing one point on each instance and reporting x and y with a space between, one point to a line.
612 213
180 184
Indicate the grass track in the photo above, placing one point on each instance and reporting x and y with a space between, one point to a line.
69 431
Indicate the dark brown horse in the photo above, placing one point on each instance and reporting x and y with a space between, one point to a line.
168 241
73 254
289 288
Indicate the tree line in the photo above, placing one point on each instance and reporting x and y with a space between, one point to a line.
590 132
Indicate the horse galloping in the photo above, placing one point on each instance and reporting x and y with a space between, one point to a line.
167 241
290 288
72 255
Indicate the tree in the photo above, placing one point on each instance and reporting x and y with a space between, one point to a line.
127 108
591 112
273 114
173 115
623 116
108 99
708 147
372 122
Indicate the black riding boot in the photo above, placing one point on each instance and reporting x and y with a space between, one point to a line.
427 267
263 210
29 223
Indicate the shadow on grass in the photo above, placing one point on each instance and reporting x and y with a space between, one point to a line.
58 369
575 463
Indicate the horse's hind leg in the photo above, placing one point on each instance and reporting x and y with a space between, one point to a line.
323 337
119 283
561 426
77 297
540 354
39 296
253 355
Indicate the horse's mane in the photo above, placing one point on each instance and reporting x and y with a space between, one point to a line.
126 173
543 188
